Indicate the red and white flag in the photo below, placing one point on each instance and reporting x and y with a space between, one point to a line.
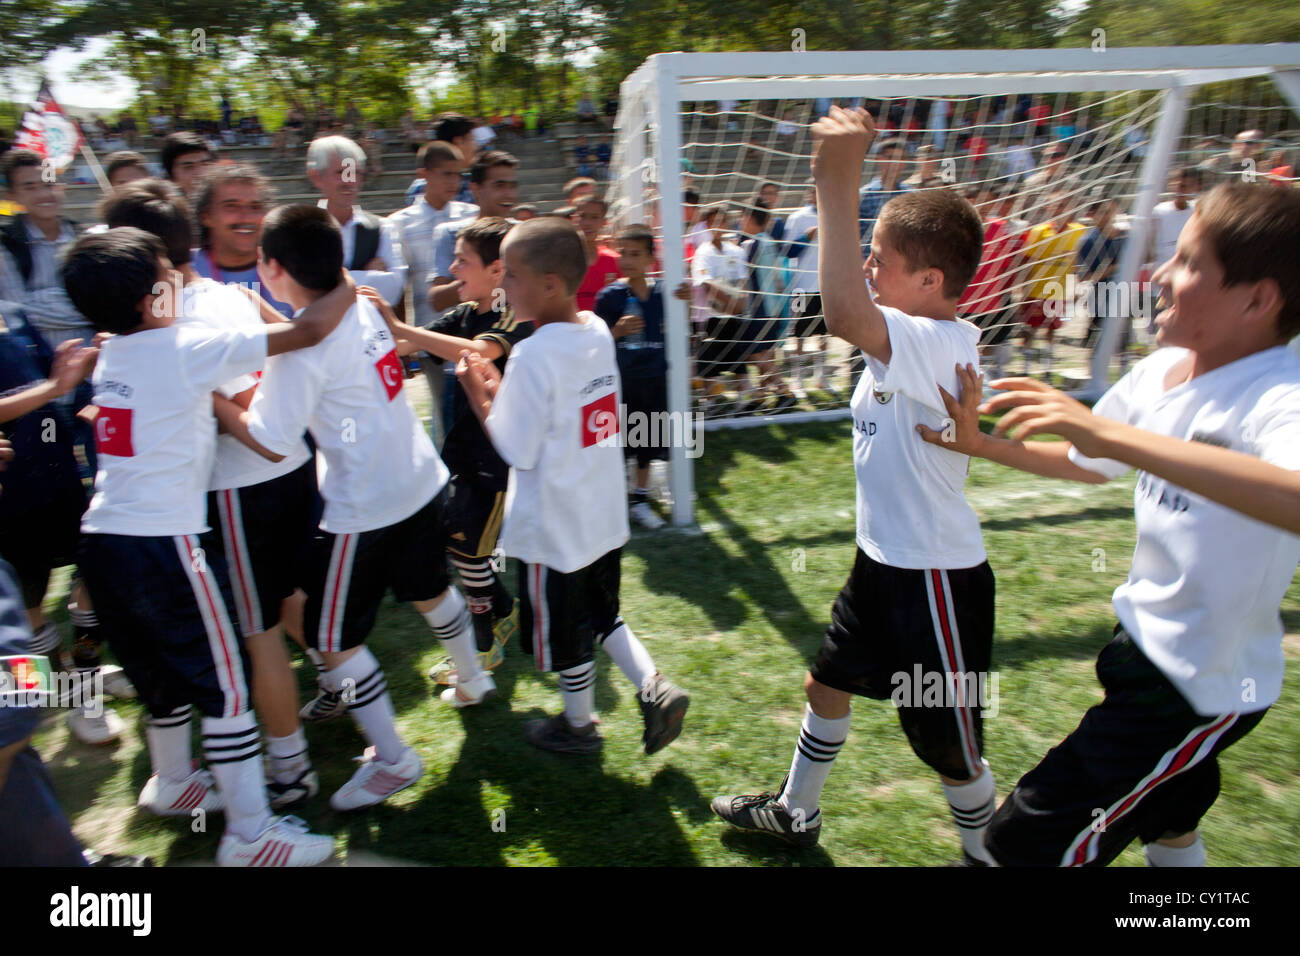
48 131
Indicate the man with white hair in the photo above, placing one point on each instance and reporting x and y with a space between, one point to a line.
372 250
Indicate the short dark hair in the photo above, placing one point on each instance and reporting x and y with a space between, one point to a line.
177 145
485 161
1255 233
485 236
769 183
552 247
691 196
122 159
436 152
638 232
219 177
1192 173
449 126
936 229
158 208
306 241
758 211
106 274
17 159
590 199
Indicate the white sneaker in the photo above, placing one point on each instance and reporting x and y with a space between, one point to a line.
285 842
103 729
376 781
179 798
473 692
645 516
116 683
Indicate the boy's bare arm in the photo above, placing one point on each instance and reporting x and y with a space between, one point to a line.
72 364
480 380
961 434
840 144
446 347
1238 481
316 322
233 420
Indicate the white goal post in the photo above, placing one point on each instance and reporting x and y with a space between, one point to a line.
646 172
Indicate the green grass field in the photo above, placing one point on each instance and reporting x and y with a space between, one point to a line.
734 614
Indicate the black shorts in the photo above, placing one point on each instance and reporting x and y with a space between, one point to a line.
474 513
809 320
163 605
646 397
262 531
347 575
562 617
1140 764
923 639
732 340
38 540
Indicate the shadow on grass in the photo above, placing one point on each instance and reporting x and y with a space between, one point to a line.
1022 648
1062 517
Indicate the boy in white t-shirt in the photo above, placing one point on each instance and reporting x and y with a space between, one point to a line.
261 513
917 611
385 494
161 599
1212 423
554 418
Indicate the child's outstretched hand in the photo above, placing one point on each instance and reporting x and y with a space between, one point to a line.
961 432
840 144
72 363
378 301
1039 409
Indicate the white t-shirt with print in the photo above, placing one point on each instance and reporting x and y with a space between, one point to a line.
555 420
726 265
375 464
912 508
1206 583
155 433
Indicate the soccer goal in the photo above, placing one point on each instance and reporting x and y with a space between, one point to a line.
1052 143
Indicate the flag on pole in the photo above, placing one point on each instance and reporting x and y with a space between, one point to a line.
47 131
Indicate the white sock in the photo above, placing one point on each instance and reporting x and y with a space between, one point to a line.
819 366
314 656
819 744
233 753
168 739
452 625
1158 854
288 756
630 655
577 687
370 705
973 804
46 642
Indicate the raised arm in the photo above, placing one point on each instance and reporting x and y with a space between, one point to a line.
840 144
446 347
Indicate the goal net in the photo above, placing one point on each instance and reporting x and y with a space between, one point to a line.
1082 164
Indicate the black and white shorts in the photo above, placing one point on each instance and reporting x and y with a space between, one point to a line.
809 320
163 606
923 639
1141 764
474 513
347 575
263 531
562 617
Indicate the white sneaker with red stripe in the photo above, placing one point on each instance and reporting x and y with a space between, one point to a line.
376 781
285 842
180 798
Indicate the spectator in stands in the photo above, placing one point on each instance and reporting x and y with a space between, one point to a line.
226 110
1051 177
927 172
372 141
611 109
764 257
125 167
1168 219
128 129
1050 252
372 250
770 195
603 155
987 300
459 131
584 158
291 132
1243 157
1099 253
352 118
185 158
719 274
578 187
586 110
891 160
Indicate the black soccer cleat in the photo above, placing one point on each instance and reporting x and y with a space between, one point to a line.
663 705
759 811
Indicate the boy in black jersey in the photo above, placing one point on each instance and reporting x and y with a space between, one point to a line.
481 323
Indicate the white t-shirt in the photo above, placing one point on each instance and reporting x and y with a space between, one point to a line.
912 509
555 421
804 274
374 463
1206 583
213 305
155 432
726 265
1168 221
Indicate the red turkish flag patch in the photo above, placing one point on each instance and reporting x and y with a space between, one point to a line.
390 373
600 420
113 432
